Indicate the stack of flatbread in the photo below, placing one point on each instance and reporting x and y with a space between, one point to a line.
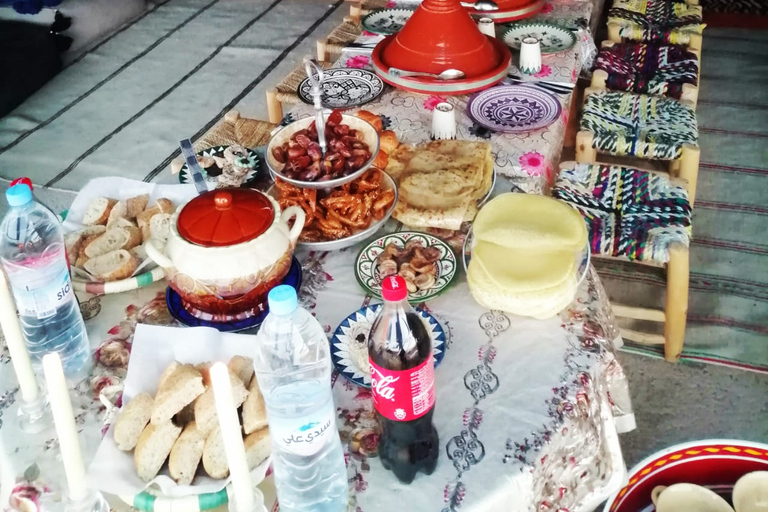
526 255
440 183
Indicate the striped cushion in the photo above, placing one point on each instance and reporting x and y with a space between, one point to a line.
630 213
639 125
648 68
663 21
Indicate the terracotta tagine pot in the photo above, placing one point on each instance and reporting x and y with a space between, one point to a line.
227 248
441 35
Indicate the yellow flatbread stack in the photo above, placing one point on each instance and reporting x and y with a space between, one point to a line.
439 183
525 255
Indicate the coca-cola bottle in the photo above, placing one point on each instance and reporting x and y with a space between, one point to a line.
403 384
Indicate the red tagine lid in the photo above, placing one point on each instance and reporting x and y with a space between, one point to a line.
394 289
225 217
441 35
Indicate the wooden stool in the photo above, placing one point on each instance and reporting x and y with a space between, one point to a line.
629 59
233 129
608 115
329 49
603 194
655 21
359 9
285 92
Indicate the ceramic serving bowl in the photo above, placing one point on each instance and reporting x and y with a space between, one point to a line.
370 137
716 464
227 248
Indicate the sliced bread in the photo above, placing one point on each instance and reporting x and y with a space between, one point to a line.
119 211
136 205
172 367
214 456
258 447
113 266
112 240
73 242
120 222
180 389
153 447
242 367
254 410
160 226
131 422
186 454
98 211
205 406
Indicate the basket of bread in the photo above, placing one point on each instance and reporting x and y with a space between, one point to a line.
107 226
166 440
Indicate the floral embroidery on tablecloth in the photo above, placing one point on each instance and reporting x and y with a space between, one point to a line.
547 8
358 61
29 492
431 102
533 163
543 72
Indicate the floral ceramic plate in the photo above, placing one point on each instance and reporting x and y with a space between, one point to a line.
211 178
349 344
344 88
386 21
552 37
367 271
514 108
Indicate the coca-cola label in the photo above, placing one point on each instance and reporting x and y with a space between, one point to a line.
403 395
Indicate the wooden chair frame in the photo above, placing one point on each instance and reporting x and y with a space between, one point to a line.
694 43
674 315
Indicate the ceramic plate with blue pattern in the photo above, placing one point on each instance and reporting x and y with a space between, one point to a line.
552 38
349 344
514 108
190 319
344 88
386 21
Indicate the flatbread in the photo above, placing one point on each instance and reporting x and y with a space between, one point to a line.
530 221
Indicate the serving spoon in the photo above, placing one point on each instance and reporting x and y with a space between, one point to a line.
448 74
481 5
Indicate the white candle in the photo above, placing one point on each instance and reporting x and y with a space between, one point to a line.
66 430
233 438
16 344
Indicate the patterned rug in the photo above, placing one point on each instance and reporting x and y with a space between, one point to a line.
728 310
735 13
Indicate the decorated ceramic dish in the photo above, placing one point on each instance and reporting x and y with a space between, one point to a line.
552 37
386 21
715 463
344 88
368 270
211 177
192 317
349 344
514 108
510 10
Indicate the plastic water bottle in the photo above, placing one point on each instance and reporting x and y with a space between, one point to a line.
293 367
34 259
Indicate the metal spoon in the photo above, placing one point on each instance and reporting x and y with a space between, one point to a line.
448 74
311 68
481 5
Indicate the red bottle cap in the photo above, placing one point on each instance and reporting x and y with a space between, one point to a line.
394 289
26 181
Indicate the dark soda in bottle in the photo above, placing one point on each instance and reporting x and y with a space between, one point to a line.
403 384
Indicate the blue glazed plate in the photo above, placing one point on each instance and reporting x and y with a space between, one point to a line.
514 108
349 344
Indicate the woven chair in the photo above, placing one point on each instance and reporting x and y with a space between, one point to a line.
647 68
637 125
638 216
285 92
233 129
329 49
656 21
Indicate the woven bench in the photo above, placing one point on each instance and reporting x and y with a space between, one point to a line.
656 21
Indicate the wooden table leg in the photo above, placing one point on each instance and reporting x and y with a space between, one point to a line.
585 151
274 108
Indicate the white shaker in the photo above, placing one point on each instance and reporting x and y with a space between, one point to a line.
444 121
487 26
530 56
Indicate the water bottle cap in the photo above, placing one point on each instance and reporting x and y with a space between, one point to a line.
394 289
282 300
19 195
25 181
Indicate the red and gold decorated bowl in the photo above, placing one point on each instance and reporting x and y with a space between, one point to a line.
715 463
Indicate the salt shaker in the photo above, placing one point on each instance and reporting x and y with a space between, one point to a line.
444 121
530 56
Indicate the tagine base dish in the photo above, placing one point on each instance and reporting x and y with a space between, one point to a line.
349 344
193 317
509 11
426 85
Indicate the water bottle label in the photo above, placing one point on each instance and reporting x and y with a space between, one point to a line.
403 395
304 436
42 297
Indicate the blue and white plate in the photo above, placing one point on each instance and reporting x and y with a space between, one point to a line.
192 319
349 344
552 38
386 21
514 108
344 88
211 180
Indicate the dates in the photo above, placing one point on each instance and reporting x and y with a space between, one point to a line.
346 152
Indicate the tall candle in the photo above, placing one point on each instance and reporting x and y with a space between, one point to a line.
16 344
233 438
64 419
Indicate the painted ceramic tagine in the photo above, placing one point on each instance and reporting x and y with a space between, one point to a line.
441 35
227 248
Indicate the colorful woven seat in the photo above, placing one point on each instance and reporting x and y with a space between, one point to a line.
639 125
659 21
647 68
630 213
